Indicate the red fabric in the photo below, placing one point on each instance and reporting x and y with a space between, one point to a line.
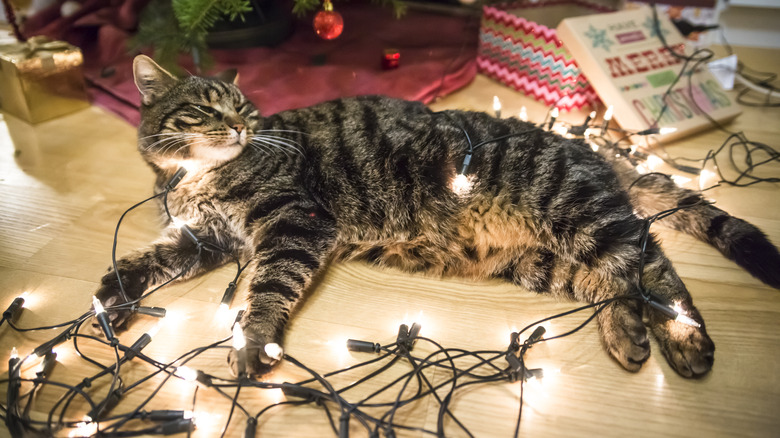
438 56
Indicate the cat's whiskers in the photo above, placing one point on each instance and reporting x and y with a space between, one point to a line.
271 146
180 143
173 137
282 130
280 142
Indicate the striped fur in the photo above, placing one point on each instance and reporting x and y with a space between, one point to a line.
370 178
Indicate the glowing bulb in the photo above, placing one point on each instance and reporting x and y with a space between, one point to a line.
707 178
186 373
61 352
98 305
653 161
608 113
680 180
683 318
152 332
595 147
276 395
461 184
239 341
523 114
177 222
14 353
84 429
497 106
187 164
274 351
592 115
554 113
561 130
667 130
187 415
642 169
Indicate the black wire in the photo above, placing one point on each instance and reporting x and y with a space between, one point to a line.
116 235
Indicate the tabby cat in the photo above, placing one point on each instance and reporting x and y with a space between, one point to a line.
370 178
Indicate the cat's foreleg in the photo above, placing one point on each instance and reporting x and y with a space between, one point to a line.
173 256
289 252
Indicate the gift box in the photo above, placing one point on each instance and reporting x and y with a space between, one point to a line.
41 79
518 46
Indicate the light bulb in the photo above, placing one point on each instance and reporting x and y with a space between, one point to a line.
707 178
274 351
461 184
152 332
653 161
188 165
523 114
554 113
186 373
177 222
588 132
608 113
98 305
497 106
667 130
680 180
239 341
682 317
14 353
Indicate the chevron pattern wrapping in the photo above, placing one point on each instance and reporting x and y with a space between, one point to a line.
528 56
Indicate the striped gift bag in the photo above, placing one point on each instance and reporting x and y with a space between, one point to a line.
518 46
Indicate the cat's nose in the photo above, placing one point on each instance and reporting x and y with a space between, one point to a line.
238 127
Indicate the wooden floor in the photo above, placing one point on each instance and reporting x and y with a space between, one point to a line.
65 183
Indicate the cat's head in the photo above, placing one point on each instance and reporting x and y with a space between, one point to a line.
205 121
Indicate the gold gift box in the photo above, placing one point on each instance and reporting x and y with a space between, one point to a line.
41 79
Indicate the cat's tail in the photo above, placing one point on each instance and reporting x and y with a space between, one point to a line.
737 239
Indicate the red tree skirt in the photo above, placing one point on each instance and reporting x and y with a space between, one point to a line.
437 57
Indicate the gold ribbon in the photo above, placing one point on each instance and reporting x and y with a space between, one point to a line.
39 47
33 45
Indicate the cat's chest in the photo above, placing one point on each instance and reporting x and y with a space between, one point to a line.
200 203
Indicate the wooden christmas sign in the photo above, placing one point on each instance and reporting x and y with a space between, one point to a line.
630 68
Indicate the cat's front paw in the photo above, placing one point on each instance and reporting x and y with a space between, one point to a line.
109 299
689 350
259 354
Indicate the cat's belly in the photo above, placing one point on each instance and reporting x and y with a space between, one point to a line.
485 237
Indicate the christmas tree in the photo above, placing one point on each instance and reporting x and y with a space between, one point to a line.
172 27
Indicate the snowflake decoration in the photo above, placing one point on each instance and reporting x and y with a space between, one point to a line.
599 38
649 24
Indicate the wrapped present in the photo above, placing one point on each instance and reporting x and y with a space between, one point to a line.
41 79
518 46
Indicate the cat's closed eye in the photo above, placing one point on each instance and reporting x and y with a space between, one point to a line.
207 110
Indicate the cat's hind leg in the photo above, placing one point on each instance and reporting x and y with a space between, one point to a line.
688 349
613 274
622 330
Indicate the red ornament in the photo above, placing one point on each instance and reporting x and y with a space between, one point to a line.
390 59
328 23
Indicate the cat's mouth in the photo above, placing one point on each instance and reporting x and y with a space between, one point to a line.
219 150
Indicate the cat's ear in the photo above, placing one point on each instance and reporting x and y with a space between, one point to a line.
152 80
229 75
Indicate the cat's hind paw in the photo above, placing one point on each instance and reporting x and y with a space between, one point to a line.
689 350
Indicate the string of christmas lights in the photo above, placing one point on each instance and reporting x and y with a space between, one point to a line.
464 368
490 367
